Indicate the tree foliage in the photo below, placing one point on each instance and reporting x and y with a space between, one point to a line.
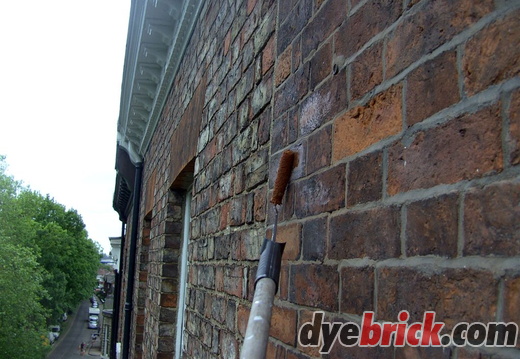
22 317
47 265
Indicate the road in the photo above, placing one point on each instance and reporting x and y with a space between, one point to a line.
67 346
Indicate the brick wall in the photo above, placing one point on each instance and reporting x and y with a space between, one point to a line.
405 118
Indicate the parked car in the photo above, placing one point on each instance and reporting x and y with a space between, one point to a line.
54 333
93 324
93 318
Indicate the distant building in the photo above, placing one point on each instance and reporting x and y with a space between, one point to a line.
115 251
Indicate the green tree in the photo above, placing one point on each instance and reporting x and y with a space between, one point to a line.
22 317
39 237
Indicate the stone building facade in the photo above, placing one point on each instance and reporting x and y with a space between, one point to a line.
405 117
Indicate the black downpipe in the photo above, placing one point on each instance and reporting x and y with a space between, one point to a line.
117 300
131 260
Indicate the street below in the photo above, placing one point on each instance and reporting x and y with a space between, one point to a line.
69 343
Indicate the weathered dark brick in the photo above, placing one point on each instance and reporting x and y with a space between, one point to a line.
373 233
432 87
423 352
367 70
455 294
321 64
357 290
491 220
364 24
323 24
314 239
464 148
493 54
365 179
438 22
432 226
293 24
514 128
321 283
319 149
320 193
291 91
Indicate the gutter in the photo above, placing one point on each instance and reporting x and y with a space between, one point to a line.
117 300
136 197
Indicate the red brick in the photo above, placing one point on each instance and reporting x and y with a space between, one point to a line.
455 294
168 300
233 278
432 87
274 351
283 324
227 42
242 319
493 54
374 233
250 6
290 235
314 286
436 23
367 70
512 300
228 347
465 148
320 193
268 55
259 209
365 179
491 220
366 125
224 215
514 128
432 226
357 290
283 283
283 66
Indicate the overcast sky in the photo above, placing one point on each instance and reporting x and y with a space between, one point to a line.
60 70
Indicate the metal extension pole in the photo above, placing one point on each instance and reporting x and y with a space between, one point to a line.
255 341
268 273
266 285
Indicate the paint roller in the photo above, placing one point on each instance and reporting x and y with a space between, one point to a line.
268 272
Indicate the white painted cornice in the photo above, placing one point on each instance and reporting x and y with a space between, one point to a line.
158 34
